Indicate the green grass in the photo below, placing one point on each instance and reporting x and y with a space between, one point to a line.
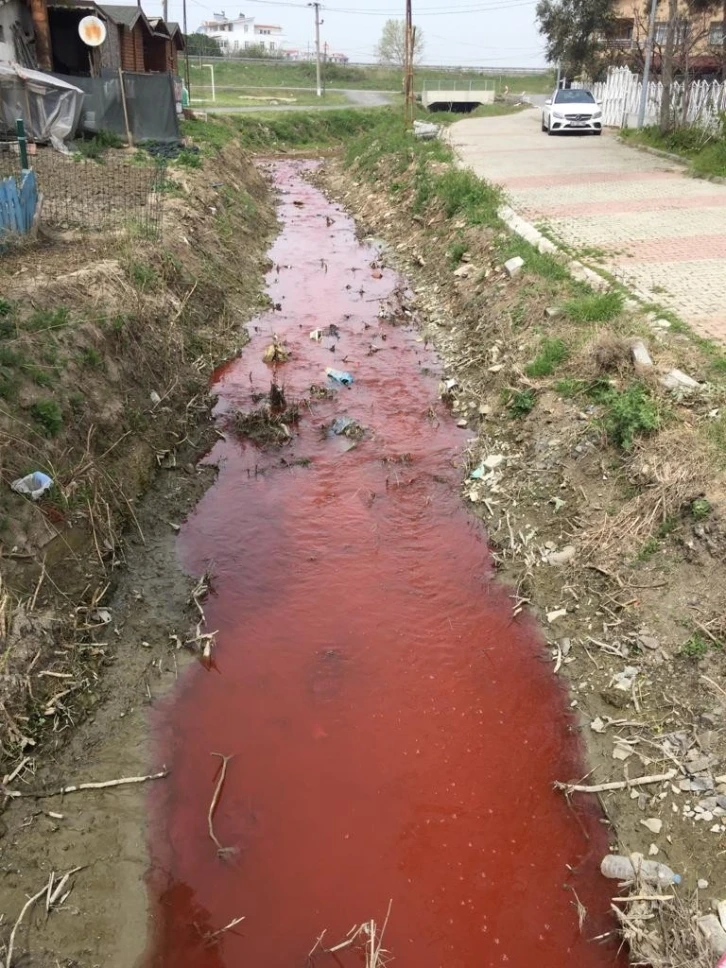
49 415
700 508
142 275
240 97
628 414
519 402
456 253
696 646
551 353
96 146
538 263
703 149
595 307
45 319
235 73
283 130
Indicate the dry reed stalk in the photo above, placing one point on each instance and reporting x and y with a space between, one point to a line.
663 932
221 851
670 471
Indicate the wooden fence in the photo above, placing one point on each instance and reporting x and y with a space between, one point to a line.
18 202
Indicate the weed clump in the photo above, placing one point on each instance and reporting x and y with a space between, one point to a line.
266 426
628 414
596 307
49 415
551 353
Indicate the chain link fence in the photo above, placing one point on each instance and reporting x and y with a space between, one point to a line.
89 195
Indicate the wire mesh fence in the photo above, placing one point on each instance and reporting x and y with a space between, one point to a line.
92 195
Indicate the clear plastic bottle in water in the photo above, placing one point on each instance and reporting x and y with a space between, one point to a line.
621 868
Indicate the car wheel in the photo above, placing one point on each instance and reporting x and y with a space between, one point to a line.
550 132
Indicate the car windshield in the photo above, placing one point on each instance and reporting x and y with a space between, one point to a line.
574 97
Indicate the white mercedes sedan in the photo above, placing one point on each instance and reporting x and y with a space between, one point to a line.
571 110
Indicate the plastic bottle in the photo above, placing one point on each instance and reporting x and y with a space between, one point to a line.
621 868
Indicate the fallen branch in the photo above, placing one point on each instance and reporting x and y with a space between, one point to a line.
103 785
616 785
211 936
222 851
28 904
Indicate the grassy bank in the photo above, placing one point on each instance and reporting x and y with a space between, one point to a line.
705 151
284 131
595 460
235 73
306 131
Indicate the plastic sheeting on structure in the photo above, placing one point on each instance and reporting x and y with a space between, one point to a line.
150 103
50 107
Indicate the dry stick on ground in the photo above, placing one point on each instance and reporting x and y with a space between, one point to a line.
616 785
103 785
222 851
28 904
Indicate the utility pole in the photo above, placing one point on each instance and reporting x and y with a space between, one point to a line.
409 42
649 44
165 10
186 53
316 5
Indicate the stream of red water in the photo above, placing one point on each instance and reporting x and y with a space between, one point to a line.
394 731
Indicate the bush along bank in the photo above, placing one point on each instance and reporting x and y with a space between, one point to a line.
595 461
106 346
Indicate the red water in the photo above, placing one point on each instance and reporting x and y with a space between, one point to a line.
395 732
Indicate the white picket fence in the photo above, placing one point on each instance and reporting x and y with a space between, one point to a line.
698 102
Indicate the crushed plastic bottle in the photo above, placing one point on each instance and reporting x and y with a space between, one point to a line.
621 868
340 376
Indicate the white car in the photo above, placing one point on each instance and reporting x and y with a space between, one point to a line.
571 110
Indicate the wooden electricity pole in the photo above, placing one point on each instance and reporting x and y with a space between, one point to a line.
409 43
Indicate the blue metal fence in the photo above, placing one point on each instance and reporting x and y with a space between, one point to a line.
18 202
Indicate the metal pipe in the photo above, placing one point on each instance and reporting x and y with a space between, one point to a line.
22 143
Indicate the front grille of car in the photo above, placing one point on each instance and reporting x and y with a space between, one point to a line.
578 117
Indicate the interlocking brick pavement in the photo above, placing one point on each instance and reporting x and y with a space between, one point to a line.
649 224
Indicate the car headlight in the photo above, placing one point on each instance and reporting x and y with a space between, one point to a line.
556 114
597 115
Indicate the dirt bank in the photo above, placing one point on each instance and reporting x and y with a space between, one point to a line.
606 517
108 344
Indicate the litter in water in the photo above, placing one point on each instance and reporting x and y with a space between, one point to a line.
340 376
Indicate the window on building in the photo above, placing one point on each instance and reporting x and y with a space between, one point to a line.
716 35
236 45
661 32
272 45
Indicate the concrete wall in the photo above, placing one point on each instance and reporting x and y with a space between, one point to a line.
462 96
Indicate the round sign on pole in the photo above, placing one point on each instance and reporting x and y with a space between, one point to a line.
92 31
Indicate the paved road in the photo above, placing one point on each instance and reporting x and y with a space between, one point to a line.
653 227
356 99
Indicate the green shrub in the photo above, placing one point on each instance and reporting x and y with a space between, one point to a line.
628 414
520 402
49 415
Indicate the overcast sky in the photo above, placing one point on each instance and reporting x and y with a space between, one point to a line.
474 32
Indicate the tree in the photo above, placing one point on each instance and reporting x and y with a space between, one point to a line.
391 47
574 31
203 45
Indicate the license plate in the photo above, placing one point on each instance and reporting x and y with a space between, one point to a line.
578 124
